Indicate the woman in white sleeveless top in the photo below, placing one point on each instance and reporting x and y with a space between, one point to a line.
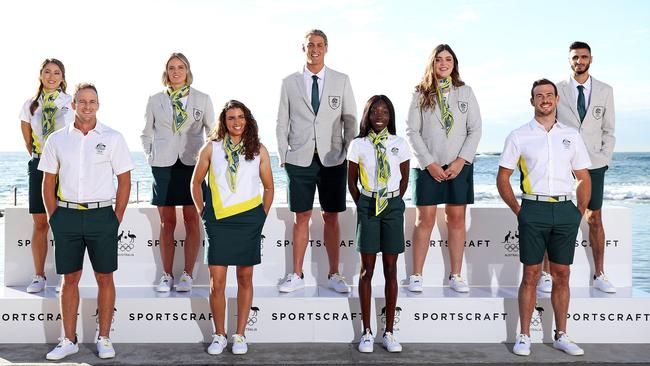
233 212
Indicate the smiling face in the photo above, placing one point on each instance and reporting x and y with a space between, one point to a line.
51 77
176 73
379 116
443 64
235 123
315 50
85 105
580 60
544 100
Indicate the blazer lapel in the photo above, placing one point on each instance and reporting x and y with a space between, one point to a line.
567 94
166 105
300 83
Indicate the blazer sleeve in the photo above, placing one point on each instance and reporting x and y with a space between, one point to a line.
609 140
413 134
474 129
147 132
209 122
348 114
282 126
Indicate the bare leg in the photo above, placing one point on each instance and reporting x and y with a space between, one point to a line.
218 297
300 238
390 289
105 302
365 286
39 243
70 303
192 237
547 266
455 217
528 296
332 236
167 227
425 218
597 239
244 296
561 294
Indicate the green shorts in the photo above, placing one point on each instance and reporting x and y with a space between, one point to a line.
548 226
597 187
383 233
330 181
36 205
76 230
427 191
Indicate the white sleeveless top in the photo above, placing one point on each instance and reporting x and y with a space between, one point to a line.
247 194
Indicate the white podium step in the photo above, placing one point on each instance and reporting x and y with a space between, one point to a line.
318 314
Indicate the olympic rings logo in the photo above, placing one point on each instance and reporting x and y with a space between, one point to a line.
511 247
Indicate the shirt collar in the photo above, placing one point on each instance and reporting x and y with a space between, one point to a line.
99 128
320 74
536 125
575 83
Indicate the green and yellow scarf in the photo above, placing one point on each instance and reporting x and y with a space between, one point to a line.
382 170
447 119
180 115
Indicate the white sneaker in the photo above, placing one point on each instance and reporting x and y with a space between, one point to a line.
565 344
522 345
105 348
37 285
337 283
239 346
415 283
366 342
184 284
602 283
457 283
291 282
391 344
166 283
63 349
545 282
219 343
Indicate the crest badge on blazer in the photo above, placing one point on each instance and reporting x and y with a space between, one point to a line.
334 101
462 106
598 111
197 113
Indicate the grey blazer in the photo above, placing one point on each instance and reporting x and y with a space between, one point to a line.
597 129
426 134
299 131
159 142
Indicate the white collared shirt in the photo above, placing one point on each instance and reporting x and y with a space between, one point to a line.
546 160
306 75
63 117
586 91
85 164
362 152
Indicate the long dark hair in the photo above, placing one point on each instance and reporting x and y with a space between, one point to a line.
64 84
365 125
428 87
250 137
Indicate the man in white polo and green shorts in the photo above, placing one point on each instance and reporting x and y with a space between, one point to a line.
551 157
83 157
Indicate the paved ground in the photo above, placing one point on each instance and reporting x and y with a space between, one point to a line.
333 354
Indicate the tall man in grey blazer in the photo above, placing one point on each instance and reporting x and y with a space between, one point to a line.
588 105
316 123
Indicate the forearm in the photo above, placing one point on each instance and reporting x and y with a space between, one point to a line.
583 191
267 198
507 194
197 196
122 194
49 197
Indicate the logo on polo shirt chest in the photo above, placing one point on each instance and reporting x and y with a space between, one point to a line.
100 148
395 150
566 143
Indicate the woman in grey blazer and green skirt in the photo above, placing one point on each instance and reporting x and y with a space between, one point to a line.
443 130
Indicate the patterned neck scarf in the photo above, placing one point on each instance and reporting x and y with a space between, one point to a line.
382 171
48 112
180 115
445 113
232 155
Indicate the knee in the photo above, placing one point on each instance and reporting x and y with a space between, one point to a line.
217 287
41 227
390 271
302 218
455 221
366 273
425 222
330 218
190 217
560 276
168 223
104 279
71 279
245 281
531 277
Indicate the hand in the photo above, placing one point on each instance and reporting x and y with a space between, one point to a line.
119 217
454 168
49 216
436 172
582 210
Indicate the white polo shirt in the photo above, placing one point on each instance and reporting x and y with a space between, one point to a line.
64 116
362 152
85 164
546 160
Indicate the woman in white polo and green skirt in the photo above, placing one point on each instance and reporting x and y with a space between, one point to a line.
233 213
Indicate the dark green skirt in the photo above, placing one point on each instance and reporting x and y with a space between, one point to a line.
427 191
171 185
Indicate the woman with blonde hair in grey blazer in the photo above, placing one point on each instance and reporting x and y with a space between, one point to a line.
177 122
443 129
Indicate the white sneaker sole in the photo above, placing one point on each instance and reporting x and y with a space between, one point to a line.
290 289
365 350
606 290
34 290
183 289
416 289
60 357
239 352
460 290
341 291
545 290
106 355
577 353
214 352
394 350
522 352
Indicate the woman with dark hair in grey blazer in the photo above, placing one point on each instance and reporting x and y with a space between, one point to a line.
177 122
443 129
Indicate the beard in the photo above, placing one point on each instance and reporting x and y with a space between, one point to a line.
581 71
543 113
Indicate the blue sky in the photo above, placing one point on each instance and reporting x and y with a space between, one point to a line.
242 51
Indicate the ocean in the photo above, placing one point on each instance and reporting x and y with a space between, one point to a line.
627 183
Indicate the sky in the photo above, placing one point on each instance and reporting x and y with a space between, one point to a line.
243 49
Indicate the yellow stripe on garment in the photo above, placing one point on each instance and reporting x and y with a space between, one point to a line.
526 187
220 211
363 176
36 144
